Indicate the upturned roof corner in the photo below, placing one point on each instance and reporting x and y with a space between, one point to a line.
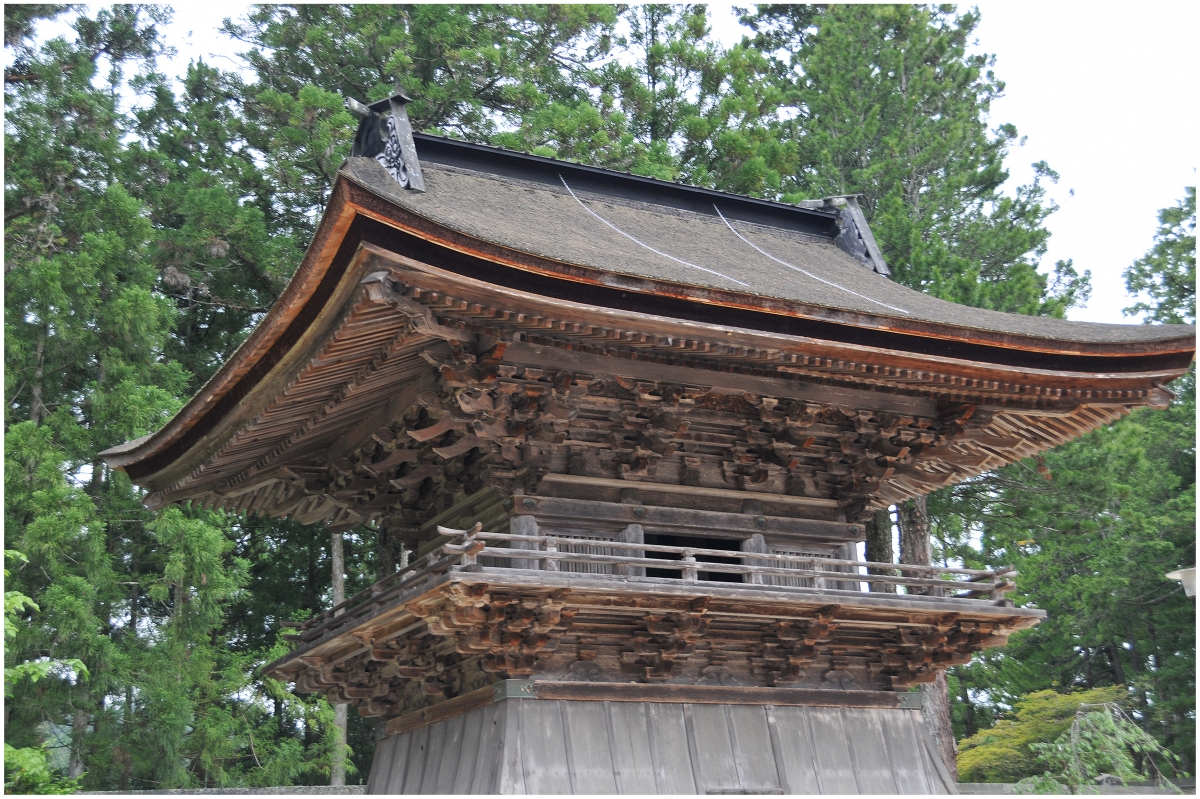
385 134
855 235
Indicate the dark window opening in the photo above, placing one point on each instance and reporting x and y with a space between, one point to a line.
699 542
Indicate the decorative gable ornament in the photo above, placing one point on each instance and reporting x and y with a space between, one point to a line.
385 134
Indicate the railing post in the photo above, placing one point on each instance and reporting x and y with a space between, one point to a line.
471 547
818 580
551 564
690 573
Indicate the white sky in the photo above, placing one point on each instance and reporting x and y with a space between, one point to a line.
1104 93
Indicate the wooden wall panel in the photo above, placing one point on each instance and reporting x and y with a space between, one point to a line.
906 753
630 738
753 755
543 749
531 746
589 747
835 769
868 751
792 744
669 749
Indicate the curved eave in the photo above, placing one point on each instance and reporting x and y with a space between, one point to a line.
324 283
286 322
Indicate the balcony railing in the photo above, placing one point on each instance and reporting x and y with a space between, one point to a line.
756 569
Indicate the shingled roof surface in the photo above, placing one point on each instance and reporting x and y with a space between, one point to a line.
618 236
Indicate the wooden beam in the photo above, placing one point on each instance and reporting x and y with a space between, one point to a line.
695 491
554 358
443 710
711 694
655 518
405 396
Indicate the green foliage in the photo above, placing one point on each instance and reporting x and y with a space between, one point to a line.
1168 272
28 771
473 71
1102 740
125 259
1007 752
1092 527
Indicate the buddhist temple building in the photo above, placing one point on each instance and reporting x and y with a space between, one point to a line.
628 433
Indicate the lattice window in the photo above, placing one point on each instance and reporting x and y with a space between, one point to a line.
795 582
571 543
565 545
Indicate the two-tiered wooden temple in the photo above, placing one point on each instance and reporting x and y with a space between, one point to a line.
630 431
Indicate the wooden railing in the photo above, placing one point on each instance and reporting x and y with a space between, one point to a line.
930 581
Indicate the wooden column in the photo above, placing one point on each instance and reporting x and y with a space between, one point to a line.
337 768
756 543
632 534
846 552
523 525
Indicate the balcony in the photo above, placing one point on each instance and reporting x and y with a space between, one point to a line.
484 606
538 556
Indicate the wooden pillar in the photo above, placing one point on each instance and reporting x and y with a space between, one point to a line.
337 768
523 525
917 549
846 552
756 543
633 534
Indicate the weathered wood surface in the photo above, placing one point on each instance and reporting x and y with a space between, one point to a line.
524 746
455 633
443 710
566 512
399 401
712 695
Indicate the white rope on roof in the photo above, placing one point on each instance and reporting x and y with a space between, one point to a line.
802 271
647 246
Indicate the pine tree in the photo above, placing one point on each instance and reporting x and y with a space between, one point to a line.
885 102
90 320
1168 272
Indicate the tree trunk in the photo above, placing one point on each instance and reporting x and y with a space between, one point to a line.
37 410
337 769
935 707
915 546
917 549
879 548
78 728
387 546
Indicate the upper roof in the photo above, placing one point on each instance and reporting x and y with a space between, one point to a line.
669 263
621 224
